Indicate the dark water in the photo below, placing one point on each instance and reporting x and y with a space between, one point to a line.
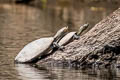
20 24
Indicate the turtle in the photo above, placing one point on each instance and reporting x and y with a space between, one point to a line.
72 35
37 48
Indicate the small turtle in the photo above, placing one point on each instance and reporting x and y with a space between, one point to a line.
32 51
72 35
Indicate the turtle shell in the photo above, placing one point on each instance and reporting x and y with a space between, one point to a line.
66 39
34 49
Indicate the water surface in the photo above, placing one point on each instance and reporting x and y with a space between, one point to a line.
21 24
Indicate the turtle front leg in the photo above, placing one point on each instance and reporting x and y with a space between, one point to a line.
56 45
76 37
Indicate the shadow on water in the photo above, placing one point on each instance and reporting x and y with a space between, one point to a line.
23 1
21 24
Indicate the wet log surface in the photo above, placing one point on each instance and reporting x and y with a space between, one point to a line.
99 47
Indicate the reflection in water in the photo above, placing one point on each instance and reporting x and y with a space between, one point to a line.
21 24
76 13
29 72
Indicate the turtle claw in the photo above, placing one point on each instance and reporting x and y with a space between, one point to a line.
61 48
76 37
56 45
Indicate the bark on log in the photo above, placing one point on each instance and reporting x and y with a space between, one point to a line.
100 46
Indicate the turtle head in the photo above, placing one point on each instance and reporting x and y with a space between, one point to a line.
60 33
82 28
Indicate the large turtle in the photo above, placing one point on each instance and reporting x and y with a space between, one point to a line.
72 35
32 51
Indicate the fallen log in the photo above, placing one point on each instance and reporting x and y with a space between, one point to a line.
99 46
